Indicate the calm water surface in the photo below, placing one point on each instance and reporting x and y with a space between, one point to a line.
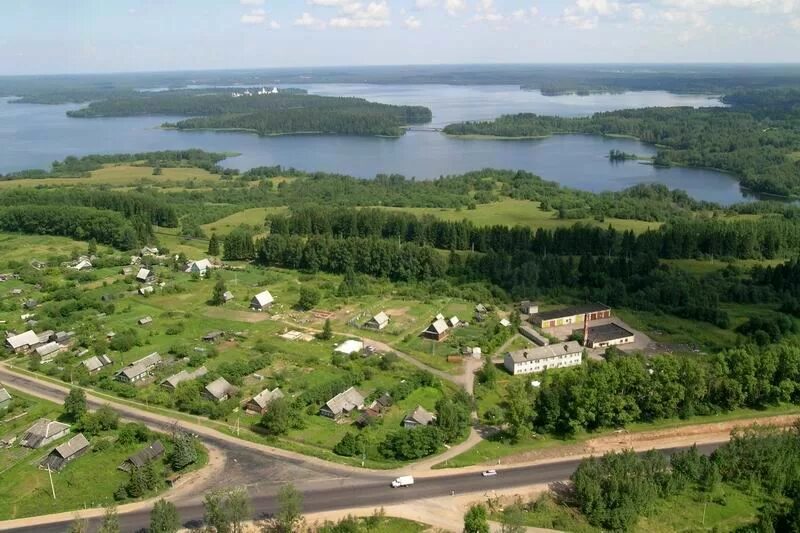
32 136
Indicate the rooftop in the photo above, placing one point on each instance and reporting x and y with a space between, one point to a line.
545 352
570 311
608 332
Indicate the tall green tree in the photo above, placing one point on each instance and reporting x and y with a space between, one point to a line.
75 404
519 410
290 509
327 331
213 245
218 294
309 298
476 520
184 453
164 517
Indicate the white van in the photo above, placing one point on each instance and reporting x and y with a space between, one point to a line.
403 481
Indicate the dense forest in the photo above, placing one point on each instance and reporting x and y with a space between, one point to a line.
757 138
265 114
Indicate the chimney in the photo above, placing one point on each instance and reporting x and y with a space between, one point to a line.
586 329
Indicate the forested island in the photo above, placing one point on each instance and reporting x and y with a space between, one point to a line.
757 137
287 112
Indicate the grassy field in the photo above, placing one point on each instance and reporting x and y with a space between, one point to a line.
249 217
690 511
510 212
123 175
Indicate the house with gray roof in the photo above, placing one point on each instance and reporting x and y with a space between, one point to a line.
343 404
174 380
140 369
63 454
262 300
43 432
529 360
418 417
437 331
23 341
379 321
96 363
219 390
142 457
259 403
48 352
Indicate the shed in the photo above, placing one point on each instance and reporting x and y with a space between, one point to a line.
145 320
379 321
438 330
227 296
96 363
418 417
261 301
147 289
143 275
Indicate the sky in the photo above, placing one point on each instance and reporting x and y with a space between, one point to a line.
77 36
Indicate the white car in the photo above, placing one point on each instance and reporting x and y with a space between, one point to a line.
489 473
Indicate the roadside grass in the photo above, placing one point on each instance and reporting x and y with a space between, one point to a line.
491 450
727 509
511 212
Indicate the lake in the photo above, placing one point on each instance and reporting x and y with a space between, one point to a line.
32 136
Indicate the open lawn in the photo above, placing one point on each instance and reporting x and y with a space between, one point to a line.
510 212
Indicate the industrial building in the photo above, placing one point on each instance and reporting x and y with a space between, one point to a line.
570 315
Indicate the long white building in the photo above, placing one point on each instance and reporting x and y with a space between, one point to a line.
528 361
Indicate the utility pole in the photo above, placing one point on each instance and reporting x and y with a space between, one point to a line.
52 487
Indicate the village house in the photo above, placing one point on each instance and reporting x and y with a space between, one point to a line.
570 315
453 321
262 300
64 453
142 457
200 267
543 358
47 352
378 322
62 337
418 417
23 341
143 275
43 432
259 403
145 320
96 363
437 331
607 335
140 369
148 251
219 390
533 335
526 307
5 399
174 380
343 404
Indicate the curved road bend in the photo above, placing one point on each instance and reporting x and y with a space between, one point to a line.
362 494
325 486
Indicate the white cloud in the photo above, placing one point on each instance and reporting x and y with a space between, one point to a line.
487 12
274 25
357 15
586 14
637 14
453 7
252 2
525 15
795 23
759 6
308 21
425 4
600 7
412 23
691 18
255 16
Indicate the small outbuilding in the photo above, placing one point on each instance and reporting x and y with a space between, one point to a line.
143 275
437 331
142 457
418 417
218 390
144 321
96 363
378 322
261 301
259 403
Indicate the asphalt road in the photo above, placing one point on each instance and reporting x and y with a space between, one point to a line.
324 488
